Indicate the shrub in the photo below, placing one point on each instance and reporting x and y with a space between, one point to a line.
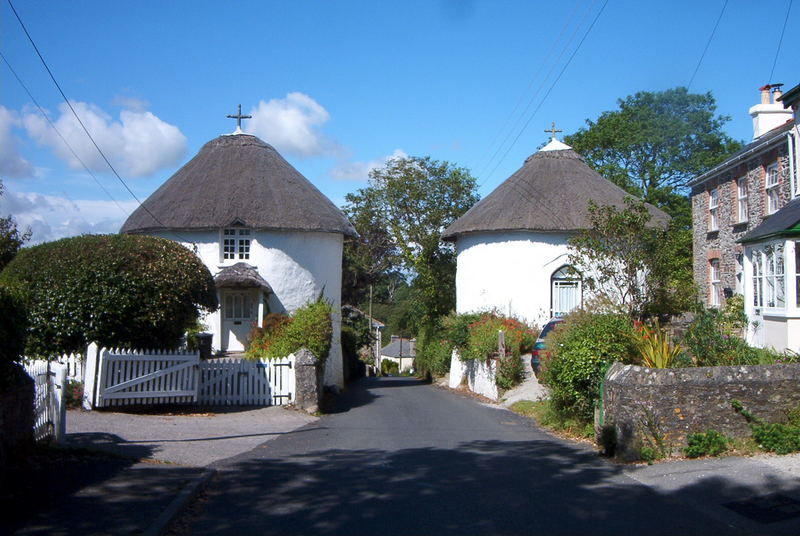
116 290
781 438
654 346
482 338
712 340
579 352
510 372
73 394
708 443
433 357
389 367
308 327
13 326
455 328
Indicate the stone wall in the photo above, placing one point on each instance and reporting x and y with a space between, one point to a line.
721 244
688 400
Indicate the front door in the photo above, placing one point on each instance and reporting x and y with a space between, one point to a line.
239 314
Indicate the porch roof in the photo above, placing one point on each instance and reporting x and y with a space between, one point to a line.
241 275
785 222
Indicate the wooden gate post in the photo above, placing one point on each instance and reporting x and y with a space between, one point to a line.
90 380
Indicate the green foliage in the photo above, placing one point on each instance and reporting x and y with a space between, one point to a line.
73 394
433 356
708 443
407 204
655 346
455 328
712 340
510 372
192 332
357 334
781 438
390 368
580 351
308 327
655 143
482 337
10 238
547 416
632 267
13 325
116 290
648 454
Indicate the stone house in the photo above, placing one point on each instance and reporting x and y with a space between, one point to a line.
272 240
742 212
735 196
512 246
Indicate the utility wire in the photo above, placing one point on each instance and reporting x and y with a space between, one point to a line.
66 143
77 117
708 43
780 41
550 89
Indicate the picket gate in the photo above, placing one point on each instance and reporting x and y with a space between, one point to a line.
241 382
49 405
147 377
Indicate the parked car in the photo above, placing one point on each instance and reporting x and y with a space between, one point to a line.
539 347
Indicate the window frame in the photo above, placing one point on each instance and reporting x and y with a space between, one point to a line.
713 207
769 276
234 244
715 280
741 200
772 184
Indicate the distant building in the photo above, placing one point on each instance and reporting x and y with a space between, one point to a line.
512 246
272 240
401 351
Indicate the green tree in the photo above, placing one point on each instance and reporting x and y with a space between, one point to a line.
631 266
117 290
655 143
10 238
413 200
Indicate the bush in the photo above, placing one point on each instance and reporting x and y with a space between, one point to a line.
389 367
510 372
13 326
308 327
654 346
712 339
116 290
433 357
708 443
579 353
73 394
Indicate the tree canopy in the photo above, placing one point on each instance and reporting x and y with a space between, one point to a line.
630 266
401 216
117 290
655 143
10 237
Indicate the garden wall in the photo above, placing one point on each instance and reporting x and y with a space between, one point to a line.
687 400
480 376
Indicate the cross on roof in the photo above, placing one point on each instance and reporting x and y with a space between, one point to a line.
239 118
552 130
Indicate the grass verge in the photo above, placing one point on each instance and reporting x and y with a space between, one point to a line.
545 416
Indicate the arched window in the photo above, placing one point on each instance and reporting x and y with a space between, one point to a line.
565 291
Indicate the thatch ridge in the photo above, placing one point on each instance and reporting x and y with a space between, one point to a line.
238 177
549 193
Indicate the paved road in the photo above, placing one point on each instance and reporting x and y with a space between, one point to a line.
402 457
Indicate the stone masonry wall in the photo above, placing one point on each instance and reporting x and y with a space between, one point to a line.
688 400
721 244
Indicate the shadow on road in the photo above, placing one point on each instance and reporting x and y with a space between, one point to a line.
482 487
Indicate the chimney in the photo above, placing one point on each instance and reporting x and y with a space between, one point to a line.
769 114
394 338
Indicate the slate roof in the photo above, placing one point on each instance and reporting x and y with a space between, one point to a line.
763 143
238 179
240 275
549 193
776 224
398 348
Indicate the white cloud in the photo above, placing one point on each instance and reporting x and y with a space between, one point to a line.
51 217
359 171
130 103
292 125
138 144
11 162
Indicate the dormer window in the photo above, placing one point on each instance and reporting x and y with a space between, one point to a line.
235 243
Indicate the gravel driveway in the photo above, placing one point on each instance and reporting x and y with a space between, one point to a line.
193 439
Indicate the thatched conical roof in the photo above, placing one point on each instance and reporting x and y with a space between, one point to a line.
238 179
549 193
241 275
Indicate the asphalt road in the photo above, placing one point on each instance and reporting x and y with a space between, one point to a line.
403 457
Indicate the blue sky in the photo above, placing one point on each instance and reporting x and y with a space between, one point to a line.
338 87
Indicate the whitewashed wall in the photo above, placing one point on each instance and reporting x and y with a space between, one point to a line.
509 271
298 265
481 377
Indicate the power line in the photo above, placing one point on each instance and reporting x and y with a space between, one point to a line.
708 43
80 122
550 89
780 41
53 126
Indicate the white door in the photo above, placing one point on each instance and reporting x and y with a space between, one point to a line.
239 315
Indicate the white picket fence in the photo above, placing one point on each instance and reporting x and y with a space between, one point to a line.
50 408
121 378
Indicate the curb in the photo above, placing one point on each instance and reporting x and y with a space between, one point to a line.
184 496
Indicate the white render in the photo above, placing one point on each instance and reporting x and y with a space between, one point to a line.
509 271
298 265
